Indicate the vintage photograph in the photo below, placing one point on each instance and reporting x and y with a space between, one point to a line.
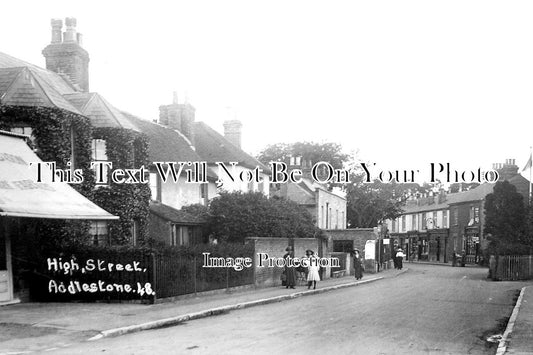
281 177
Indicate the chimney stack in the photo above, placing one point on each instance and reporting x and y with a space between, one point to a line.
232 132
178 116
64 54
507 170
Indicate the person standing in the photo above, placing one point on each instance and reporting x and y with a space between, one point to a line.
290 273
312 275
357 264
399 258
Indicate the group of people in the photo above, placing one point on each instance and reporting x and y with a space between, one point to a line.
289 273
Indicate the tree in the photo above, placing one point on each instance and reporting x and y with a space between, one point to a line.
369 204
236 216
309 151
506 220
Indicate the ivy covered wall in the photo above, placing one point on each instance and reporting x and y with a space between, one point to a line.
126 149
53 130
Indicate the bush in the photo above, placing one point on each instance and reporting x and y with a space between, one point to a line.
236 216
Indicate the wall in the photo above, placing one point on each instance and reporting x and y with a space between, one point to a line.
275 247
359 236
159 229
179 194
337 206
238 185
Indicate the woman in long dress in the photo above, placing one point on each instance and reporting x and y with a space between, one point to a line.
290 273
357 264
312 275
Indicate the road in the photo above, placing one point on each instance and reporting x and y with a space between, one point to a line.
428 310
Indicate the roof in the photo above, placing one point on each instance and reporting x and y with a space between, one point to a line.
174 215
476 194
22 196
23 86
166 144
100 112
213 148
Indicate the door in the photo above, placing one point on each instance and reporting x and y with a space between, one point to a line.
5 272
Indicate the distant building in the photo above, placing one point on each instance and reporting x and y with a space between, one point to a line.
433 228
328 208
213 148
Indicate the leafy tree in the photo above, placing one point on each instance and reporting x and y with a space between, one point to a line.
309 151
506 220
236 216
369 204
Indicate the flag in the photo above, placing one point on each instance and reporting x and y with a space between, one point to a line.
528 164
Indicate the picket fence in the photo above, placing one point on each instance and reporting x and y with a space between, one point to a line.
511 267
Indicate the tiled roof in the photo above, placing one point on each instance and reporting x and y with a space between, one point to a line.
412 207
22 86
476 194
174 215
213 147
60 83
100 112
166 144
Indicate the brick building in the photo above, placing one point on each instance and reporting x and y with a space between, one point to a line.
433 228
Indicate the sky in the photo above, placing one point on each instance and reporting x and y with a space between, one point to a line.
402 84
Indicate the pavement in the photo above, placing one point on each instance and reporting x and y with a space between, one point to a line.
518 336
37 327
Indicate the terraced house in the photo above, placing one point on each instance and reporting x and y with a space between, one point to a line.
434 227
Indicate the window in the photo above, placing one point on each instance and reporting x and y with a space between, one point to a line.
327 215
393 228
474 215
403 224
424 221
98 149
435 224
26 130
444 219
180 235
155 187
337 219
98 232
204 194
414 225
342 246
455 216
99 154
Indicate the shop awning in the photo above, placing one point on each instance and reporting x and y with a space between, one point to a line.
22 196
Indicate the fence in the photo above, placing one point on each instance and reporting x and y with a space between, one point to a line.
511 267
175 276
116 275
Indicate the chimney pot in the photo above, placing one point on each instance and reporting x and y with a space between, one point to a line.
70 33
57 27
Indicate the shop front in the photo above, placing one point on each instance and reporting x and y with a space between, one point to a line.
22 197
